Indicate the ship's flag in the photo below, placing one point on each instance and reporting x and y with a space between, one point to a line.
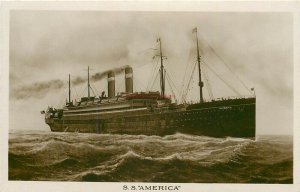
194 30
252 89
43 112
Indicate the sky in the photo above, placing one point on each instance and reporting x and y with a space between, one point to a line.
251 49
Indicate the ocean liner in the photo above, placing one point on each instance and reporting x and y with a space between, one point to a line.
152 112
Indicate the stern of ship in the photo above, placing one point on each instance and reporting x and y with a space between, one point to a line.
231 117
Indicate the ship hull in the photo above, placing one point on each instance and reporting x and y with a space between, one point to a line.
233 120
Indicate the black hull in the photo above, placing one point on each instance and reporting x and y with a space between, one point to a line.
221 120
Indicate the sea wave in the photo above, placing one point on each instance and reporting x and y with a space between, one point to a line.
140 158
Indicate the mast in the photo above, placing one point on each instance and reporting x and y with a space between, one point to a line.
162 78
199 67
89 82
69 89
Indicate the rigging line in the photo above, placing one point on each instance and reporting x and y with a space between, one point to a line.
171 82
83 92
222 60
93 91
154 69
83 88
184 76
97 91
188 85
222 79
63 93
150 78
105 87
146 50
209 90
156 77
168 80
75 91
153 72
94 88
191 72
171 77
155 82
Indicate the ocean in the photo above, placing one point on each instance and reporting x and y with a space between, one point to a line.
178 158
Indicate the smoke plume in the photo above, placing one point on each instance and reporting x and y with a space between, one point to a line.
40 89
36 90
101 75
78 80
